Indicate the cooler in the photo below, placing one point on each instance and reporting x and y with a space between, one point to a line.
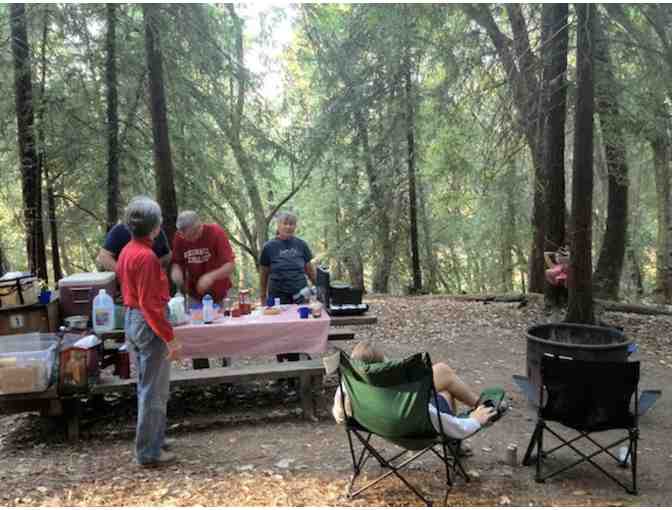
77 291
18 289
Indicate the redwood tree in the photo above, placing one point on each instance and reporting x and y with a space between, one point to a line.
607 275
580 308
25 121
163 163
112 119
555 41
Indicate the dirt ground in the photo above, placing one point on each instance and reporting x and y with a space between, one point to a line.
247 445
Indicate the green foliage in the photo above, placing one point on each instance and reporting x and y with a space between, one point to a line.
310 117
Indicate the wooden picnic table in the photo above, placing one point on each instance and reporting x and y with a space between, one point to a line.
309 372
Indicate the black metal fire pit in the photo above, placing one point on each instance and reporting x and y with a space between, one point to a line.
575 341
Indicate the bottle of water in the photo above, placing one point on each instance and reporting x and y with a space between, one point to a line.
208 310
103 312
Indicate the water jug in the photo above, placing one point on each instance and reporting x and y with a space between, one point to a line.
103 312
208 310
176 307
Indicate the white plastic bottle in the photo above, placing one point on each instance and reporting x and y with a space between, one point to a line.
103 312
208 310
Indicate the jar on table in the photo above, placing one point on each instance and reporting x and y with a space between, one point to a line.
244 301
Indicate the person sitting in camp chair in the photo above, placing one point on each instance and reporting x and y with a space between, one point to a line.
449 387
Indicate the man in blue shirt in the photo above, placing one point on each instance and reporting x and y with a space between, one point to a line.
118 237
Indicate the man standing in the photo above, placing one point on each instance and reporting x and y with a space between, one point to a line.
202 263
202 258
118 237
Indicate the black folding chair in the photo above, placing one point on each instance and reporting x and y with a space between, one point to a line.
588 397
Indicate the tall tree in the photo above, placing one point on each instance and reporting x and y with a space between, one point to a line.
555 38
520 64
607 275
580 307
164 172
410 162
30 170
112 118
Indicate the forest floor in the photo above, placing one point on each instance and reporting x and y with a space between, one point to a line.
246 445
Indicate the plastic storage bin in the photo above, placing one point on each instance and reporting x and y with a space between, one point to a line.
78 291
26 362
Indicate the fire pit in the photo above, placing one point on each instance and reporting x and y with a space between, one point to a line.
575 341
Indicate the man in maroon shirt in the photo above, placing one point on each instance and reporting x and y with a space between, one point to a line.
204 253
146 292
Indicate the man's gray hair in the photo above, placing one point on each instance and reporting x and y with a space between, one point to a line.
187 219
142 216
286 215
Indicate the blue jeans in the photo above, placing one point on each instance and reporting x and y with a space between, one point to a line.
153 386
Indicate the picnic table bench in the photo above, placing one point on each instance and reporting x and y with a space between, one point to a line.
308 372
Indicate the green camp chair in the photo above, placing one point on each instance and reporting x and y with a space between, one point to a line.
390 400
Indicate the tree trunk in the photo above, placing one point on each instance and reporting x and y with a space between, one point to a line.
580 307
356 270
612 254
163 164
30 170
429 249
508 228
632 252
113 195
661 164
53 228
412 200
555 42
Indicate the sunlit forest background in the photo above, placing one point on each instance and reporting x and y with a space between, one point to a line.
396 132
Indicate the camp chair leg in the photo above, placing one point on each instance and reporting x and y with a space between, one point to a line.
384 463
527 459
540 451
587 458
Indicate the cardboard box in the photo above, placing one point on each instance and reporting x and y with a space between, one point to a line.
25 319
21 380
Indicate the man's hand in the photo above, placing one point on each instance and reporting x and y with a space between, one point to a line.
483 414
205 283
174 350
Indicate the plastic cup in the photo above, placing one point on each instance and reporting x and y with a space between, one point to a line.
304 312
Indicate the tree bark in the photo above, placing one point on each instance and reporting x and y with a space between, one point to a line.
164 172
53 228
412 200
579 282
113 195
428 245
555 40
508 228
43 162
661 163
25 121
612 254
